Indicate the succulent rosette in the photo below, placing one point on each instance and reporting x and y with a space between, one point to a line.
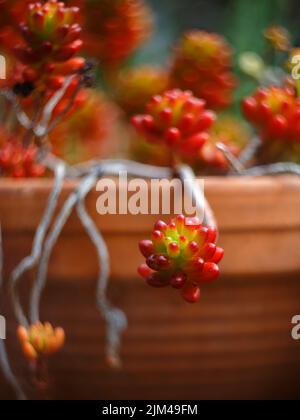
114 29
178 119
230 131
51 40
182 254
275 113
203 64
82 134
16 161
278 37
40 340
135 87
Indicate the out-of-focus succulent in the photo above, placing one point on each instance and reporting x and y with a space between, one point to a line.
275 112
203 64
82 134
230 131
40 340
114 29
135 87
278 37
177 119
51 39
17 161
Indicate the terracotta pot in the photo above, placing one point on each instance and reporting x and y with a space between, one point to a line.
235 344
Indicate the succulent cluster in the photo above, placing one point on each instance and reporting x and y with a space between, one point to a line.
81 134
231 132
178 119
275 112
51 40
202 64
40 340
17 161
114 29
278 37
137 86
182 254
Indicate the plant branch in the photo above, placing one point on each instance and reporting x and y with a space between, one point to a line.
4 361
22 117
83 189
29 262
187 176
250 150
115 319
43 128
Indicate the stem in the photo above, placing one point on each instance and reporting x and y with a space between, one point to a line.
38 287
30 261
187 176
115 319
250 150
4 361
235 163
281 168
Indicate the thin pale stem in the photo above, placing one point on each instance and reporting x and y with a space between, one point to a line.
235 163
187 176
250 150
83 189
4 361
43 128
30 262
281 168
115 319
22 117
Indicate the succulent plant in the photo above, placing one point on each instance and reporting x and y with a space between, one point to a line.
114 29
182 254
275 112
40 340
51 39
17 161
203 64
135 87
178 119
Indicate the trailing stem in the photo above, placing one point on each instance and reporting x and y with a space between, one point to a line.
4 361
115 319
30 262
83 189
187 176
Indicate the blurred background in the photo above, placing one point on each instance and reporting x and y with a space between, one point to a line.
242 22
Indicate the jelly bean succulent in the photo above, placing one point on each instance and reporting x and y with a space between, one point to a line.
230 131
51 39
135 87
278 37
203 64
182 254
40 340
275 112
114 29
16 161
178 119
